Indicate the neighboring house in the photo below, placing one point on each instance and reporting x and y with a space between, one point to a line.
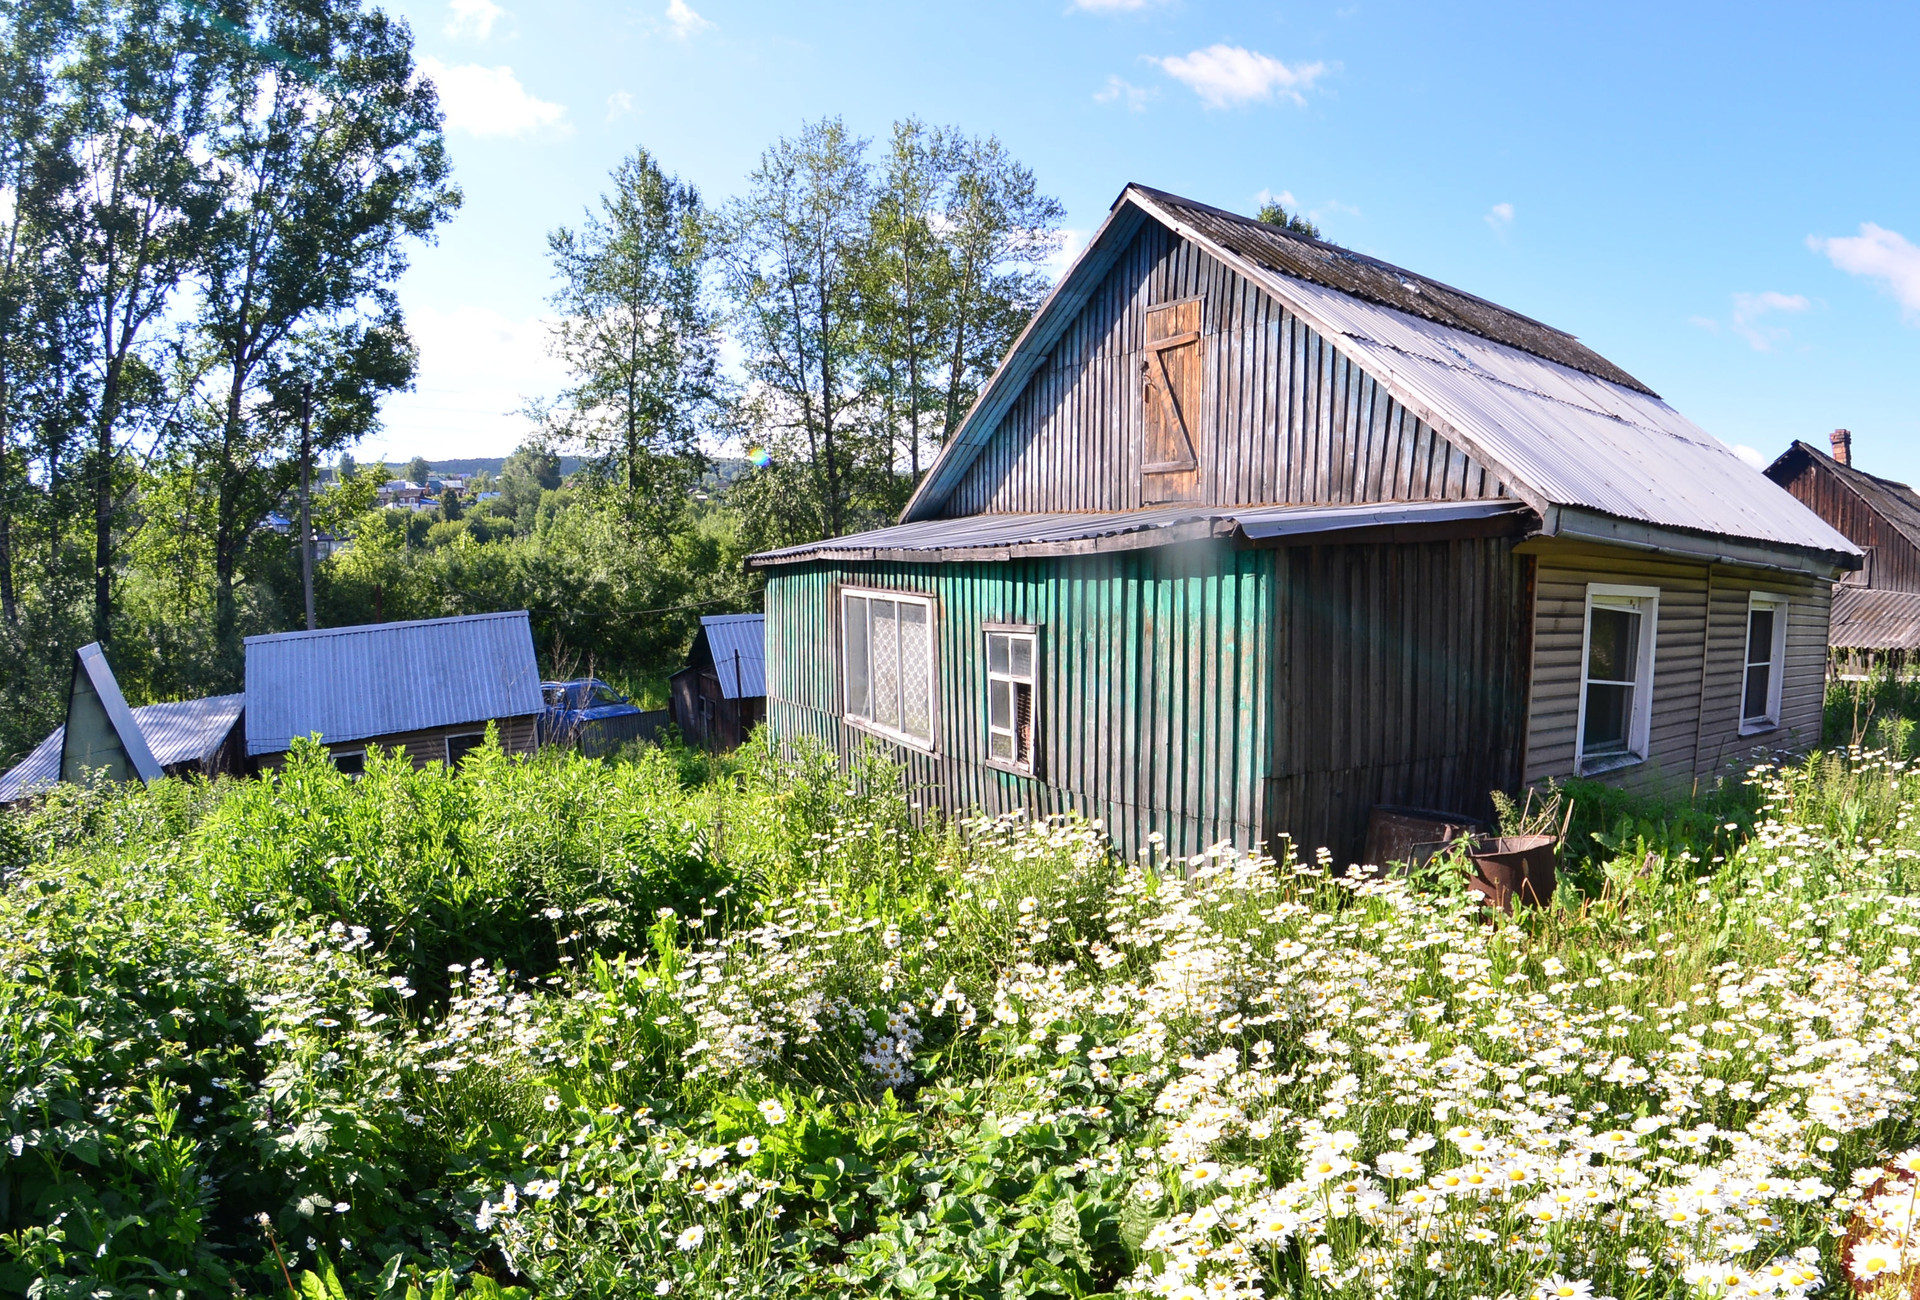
721 695
178 738
403 493
431 686
1876 610
1250 533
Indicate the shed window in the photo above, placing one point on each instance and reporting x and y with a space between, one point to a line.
888 643
1010 685
1616 689
353 762
1766 655
458 747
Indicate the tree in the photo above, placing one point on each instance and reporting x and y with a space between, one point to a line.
331 158
639 339
1292 222
418 470
793 246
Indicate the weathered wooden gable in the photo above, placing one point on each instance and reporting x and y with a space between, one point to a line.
1283 416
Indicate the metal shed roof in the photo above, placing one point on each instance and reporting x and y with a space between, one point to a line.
998 537
1559 424
378 679
177 731
738 644
1868 619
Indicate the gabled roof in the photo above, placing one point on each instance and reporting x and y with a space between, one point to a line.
1581 441
352 683
1894 502
177 731
737 644
100 731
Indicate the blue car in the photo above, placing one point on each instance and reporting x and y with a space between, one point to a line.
591 714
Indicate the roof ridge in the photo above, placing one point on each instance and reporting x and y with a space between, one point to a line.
351 628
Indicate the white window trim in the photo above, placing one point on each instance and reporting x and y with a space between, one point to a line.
1032 632
1771 722
478 738
928 744
1639 731
335 755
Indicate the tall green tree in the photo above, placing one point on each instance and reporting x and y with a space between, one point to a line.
794 245
331 161
640 340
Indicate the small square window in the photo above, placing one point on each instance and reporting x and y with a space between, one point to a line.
1765 662
1011 656
353 762
458 747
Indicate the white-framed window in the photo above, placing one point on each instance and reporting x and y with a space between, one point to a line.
462 744
1012 673
1616 676
886 640
1766 661
353 762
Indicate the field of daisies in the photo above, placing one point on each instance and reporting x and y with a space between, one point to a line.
663 1026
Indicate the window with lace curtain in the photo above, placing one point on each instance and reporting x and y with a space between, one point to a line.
887 653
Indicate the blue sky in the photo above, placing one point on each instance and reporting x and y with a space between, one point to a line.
1721 198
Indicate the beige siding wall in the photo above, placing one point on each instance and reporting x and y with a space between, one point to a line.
1699 661
430 746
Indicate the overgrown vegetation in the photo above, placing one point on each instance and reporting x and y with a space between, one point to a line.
671 1026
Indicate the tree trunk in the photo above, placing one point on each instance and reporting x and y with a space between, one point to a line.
306 504
103 510
9 607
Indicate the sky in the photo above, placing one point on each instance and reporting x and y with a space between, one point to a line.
1723 199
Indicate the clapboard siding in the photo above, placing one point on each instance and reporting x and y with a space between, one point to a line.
1286 418
1154 673
1402 681
1698 661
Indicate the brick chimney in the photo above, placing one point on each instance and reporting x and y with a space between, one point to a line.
1843 446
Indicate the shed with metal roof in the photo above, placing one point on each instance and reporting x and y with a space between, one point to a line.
720 696
1250 534
431 686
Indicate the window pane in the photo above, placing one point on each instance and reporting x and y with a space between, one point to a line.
1000 745
1609 711
1023 657
1613 650
1759 693
998 659
916 673
1760 636
1023 723
886 663
1000 705
856 642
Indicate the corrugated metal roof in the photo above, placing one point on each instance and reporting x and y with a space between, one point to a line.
1371 279
1867 619
1560 424
1010 536
177 731
738 644
350 683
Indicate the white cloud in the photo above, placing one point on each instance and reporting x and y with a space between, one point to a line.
1284 198
619 104
684 21
1750 455
473 18
1750 311
1499 216
1072 244
1227 75
1116 6
478 366
1119 91
491 101
1879 254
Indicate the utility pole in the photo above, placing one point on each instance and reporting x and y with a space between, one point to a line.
306 512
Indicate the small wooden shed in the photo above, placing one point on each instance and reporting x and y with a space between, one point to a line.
1250 534
721 695
1876 609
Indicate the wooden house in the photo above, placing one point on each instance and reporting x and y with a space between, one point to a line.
1250 534
721 695
1876 609
430 686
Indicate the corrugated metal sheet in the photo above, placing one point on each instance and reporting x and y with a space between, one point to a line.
1868 619
177 731
932 540
383 678
738 644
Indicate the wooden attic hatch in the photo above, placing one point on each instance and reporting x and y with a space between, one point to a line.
1173 381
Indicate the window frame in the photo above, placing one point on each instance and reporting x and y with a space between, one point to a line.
1645 601
478 738
928 744
335 755
1770 721
1030 631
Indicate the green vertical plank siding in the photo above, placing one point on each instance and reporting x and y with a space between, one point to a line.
1154 666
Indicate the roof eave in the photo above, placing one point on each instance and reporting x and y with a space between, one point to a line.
1580 523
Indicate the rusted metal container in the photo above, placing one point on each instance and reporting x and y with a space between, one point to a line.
1509 868
1408 837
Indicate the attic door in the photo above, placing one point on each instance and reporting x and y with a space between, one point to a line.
1172 383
